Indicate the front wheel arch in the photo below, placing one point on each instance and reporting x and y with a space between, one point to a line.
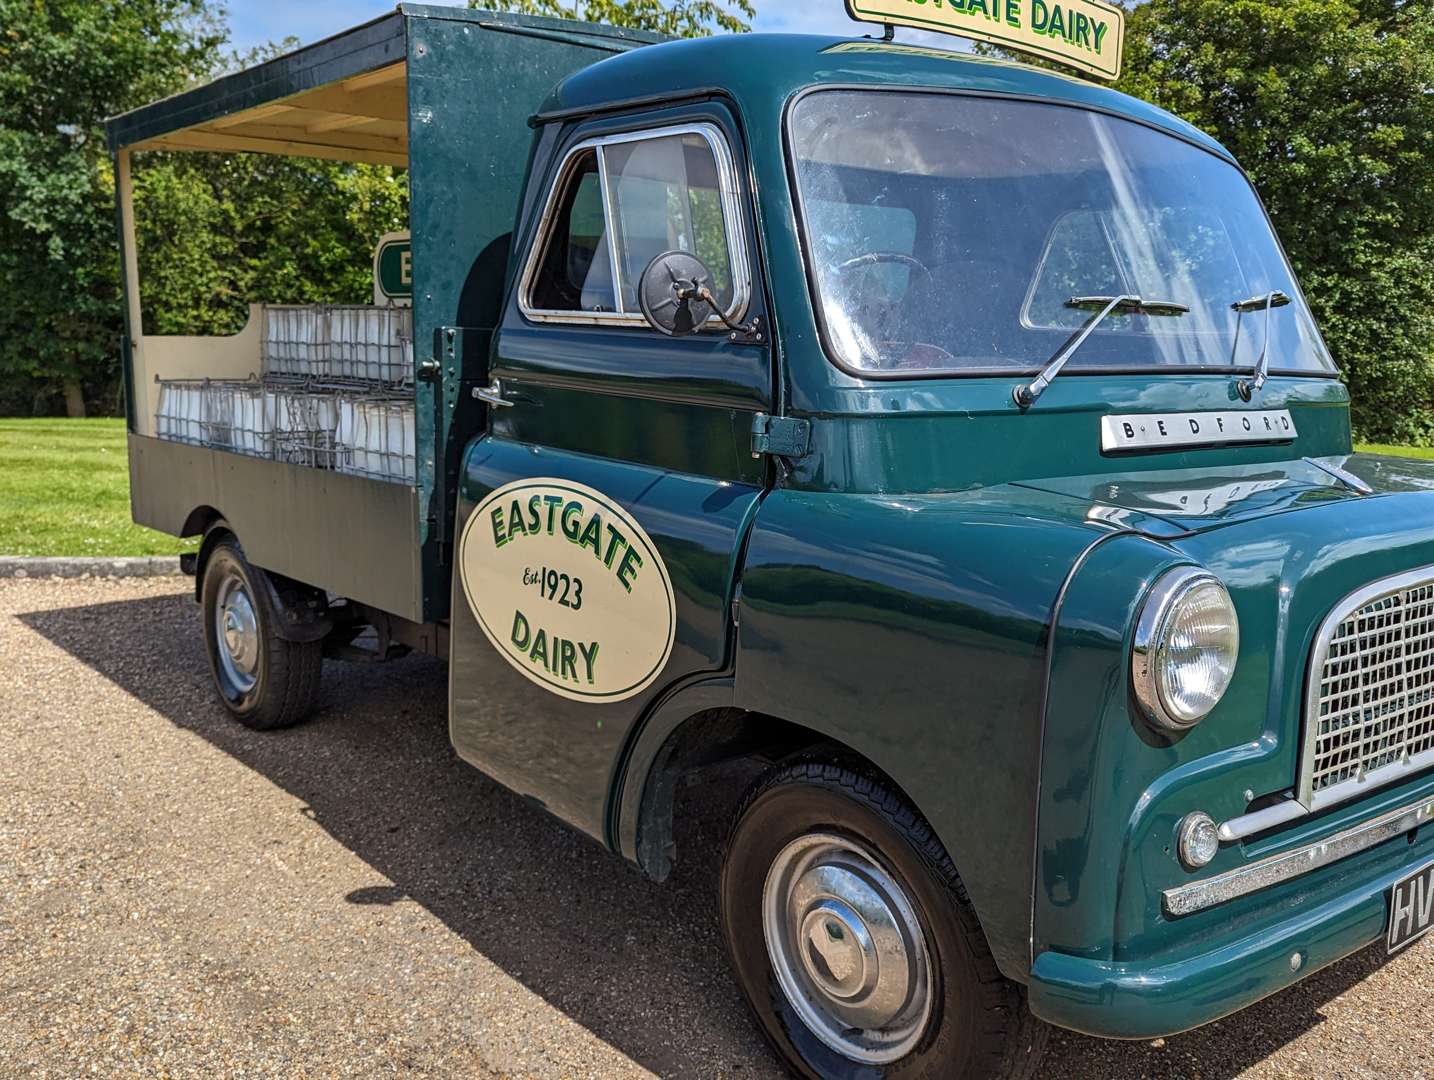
713 736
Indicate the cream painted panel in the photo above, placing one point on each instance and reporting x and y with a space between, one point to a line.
184 357
179 357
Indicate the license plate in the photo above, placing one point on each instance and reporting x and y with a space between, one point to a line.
1411 911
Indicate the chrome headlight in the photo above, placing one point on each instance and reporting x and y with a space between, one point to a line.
1186 642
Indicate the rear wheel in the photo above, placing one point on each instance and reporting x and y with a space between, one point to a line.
265 681
854 940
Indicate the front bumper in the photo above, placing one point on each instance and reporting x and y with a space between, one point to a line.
1135 1000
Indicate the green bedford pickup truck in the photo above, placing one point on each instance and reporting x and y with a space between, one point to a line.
948 436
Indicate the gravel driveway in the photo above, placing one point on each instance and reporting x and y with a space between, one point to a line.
181 897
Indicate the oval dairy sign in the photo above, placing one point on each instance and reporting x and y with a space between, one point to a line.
569 589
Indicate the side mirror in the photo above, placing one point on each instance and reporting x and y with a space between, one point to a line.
675 292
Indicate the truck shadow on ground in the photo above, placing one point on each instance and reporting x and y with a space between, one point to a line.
640 965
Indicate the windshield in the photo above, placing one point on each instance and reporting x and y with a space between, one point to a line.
949 232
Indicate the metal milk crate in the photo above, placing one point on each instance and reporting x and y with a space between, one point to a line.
376 438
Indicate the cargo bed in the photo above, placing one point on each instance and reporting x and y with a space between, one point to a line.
334 470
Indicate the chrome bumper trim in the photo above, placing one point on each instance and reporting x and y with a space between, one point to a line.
1271 817
1199 895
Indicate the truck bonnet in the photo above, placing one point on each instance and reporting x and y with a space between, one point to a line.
1169 502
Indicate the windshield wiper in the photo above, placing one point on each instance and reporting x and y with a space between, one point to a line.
1107 306
1252 386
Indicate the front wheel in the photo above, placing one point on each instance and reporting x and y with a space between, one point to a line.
854 940
265 681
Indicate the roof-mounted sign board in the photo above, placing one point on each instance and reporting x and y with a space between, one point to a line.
1084 34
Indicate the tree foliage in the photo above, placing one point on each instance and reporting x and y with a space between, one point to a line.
65 65
676 18
214 232
217 232
1329 104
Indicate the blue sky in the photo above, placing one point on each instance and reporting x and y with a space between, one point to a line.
255 22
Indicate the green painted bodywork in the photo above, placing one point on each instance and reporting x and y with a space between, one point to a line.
1103 855
471 76
944 585
947 586
660 425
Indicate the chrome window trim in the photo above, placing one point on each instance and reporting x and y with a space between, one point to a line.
1277 869
732 219
1382 777
609 215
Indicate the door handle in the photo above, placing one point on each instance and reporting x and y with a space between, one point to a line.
493 395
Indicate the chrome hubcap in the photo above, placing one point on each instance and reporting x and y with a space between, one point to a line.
237 629
847 948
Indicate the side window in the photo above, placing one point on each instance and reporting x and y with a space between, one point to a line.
667 197
575 273
620 203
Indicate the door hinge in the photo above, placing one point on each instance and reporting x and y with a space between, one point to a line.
780 436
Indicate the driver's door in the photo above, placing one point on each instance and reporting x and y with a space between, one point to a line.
603 515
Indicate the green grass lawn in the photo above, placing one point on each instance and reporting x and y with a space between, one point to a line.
1426 452
64 490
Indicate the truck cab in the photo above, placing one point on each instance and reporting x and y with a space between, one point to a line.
948 437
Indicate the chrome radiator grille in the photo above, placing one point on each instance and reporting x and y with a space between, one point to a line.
1370 703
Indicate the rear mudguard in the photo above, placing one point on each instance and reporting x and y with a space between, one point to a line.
302 610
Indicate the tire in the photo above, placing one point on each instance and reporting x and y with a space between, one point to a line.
265 681
802 823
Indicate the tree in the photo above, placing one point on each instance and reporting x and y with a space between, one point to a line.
1329 104
216 232
65 65
677 18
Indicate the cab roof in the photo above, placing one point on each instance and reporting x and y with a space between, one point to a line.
758 68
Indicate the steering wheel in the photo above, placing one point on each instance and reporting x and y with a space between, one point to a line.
878 258
917 354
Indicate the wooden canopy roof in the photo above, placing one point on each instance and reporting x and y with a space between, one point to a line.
344 98
361 118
